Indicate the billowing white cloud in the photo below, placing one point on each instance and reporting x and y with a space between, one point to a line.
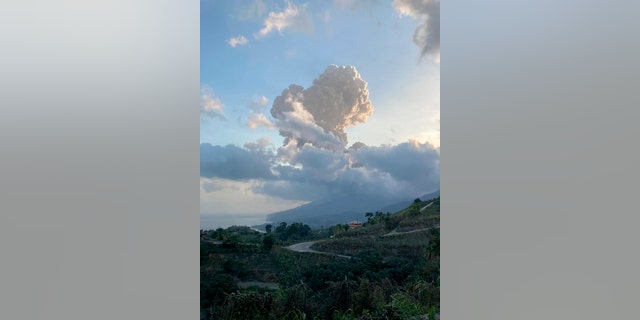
297 125
293 17
259 120
337 99
427 34
237 41
210 106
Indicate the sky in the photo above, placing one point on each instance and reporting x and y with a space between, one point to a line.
301 100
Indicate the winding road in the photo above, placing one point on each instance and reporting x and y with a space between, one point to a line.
427 206
394 232
306 247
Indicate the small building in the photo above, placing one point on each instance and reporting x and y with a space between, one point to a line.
355 224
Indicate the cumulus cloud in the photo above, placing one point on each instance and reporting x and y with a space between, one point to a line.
390 171
258 104
293 17
235 163
338 98
210 106
237 41
427 34
411 162
405 169
259 146
259 120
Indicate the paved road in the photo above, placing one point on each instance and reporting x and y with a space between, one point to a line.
306 247
394 232
427 206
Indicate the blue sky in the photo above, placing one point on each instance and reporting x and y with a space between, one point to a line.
279 43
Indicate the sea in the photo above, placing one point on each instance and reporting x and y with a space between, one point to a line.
211 222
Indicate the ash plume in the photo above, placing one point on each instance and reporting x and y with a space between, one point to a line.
338 98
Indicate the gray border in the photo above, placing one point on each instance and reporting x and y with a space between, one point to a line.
539 160
99 131
99 174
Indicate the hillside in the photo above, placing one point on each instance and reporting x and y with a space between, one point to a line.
399 234
342 209
387 269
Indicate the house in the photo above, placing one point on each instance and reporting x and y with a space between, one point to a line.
355 224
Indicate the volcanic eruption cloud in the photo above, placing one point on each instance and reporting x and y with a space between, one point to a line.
338 98
314 160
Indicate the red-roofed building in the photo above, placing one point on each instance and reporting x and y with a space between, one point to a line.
355 224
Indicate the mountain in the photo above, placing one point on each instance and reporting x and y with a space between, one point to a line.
342 209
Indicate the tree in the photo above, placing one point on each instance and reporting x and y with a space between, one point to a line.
369 215
220 234
268 228
282 227
417 200
414 209
231 241
267 242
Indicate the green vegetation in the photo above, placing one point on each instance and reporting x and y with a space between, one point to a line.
394 272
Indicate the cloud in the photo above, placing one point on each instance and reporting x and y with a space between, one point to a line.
293 17
319 114
223 196
401 170
259 120
313 161
291 190
234 163
237 41
259 146
297 125
258 104
251 10
355 4
210 106
406 169
412 162
211 185
427 34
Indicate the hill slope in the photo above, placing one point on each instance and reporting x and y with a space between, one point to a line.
342 209
387 269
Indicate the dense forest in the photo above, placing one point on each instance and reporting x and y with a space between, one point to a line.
386 269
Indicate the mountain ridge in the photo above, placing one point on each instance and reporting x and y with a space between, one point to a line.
343 209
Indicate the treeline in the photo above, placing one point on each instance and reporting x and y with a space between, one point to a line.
390 275
368 286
